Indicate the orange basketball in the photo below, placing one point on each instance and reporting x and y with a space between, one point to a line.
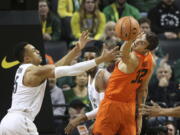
127 28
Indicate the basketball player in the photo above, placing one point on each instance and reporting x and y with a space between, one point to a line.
128 81
97 81
30 83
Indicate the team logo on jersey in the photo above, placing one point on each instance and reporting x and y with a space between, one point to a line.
6 64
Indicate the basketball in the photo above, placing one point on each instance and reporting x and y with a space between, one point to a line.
127 28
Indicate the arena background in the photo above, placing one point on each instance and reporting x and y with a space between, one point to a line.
19 22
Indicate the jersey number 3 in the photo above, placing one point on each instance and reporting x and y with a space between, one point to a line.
141 73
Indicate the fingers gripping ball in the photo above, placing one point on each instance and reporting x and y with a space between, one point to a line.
127 28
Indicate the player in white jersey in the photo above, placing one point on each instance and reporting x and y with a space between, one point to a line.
30 82
97 81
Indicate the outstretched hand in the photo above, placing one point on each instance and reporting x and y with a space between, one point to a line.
71 125
83 40
109 55
153 110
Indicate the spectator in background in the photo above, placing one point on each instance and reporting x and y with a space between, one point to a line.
50 23
144 5
120 8
65 9
77 108
171 128
109 31
104 3
88 18
109 37
145 24
57 98
79 91
165 89
165 19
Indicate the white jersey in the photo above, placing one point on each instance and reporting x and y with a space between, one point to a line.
26 99
94 96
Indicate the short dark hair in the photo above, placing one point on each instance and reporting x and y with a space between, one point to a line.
47 2
77 103
93 46
19 51
152 40
144 20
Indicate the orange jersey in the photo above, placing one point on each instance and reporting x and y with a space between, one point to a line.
122 86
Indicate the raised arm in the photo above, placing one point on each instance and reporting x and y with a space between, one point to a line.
81 67
128 57
67 59
126 51
36 74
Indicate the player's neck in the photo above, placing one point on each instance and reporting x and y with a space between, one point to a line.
145 53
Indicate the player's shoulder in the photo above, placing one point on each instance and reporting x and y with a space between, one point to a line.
102 72
31 67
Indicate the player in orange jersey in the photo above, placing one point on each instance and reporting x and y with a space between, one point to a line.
127 87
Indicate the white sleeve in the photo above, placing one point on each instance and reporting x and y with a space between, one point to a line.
74 70
92 114
101 96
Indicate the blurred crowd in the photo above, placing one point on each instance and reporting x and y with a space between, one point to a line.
64 20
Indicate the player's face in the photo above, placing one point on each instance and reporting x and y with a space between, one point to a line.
140 44
32 55
90 56
145 27
89 5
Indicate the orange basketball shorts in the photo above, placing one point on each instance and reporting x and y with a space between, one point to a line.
115 118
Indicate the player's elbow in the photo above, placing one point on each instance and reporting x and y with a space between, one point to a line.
143 91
